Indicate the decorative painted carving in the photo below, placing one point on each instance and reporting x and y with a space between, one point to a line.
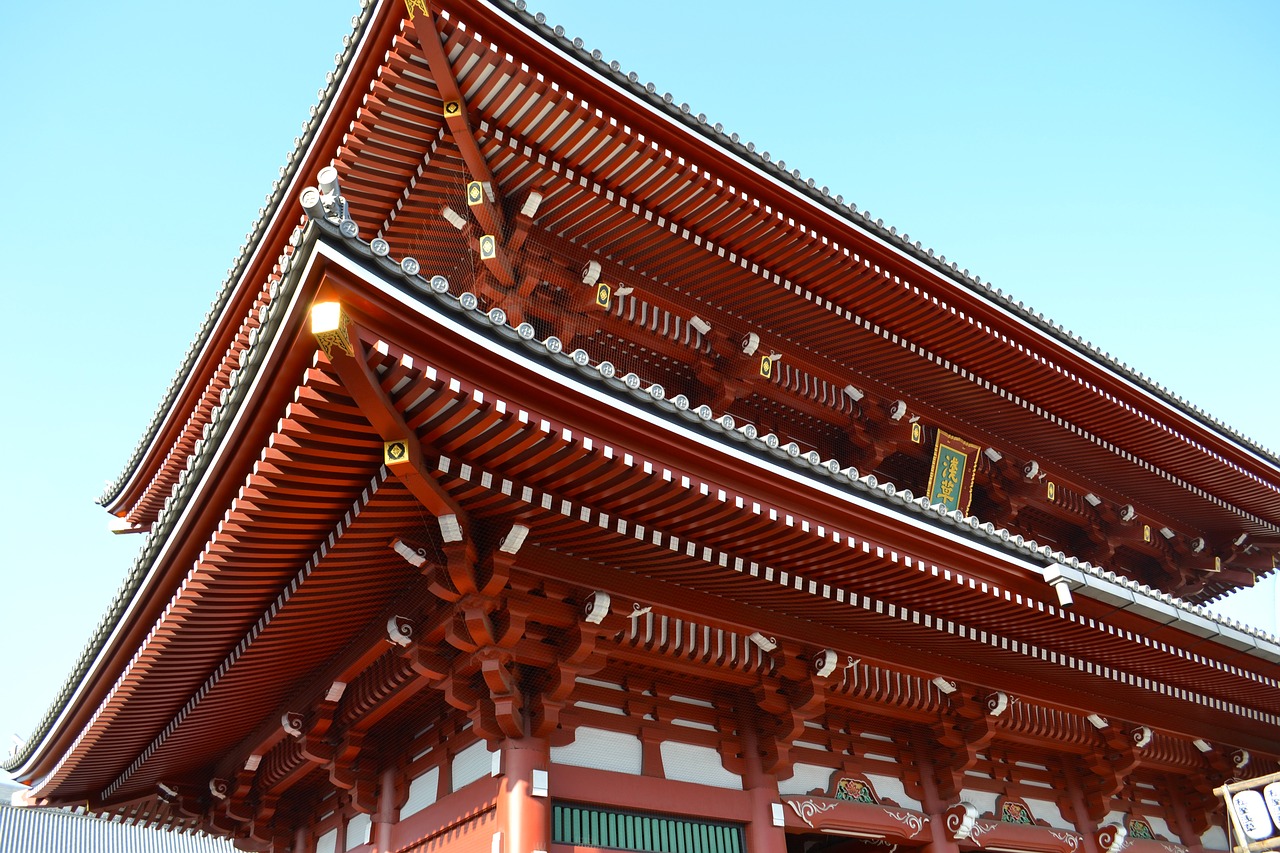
913 822
1070 839
855 790
1111 838
960 820
805 809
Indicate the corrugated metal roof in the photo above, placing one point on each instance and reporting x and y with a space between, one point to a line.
30 830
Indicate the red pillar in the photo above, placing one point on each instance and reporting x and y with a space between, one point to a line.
386 817
523 818
933 805
1080 817
762 835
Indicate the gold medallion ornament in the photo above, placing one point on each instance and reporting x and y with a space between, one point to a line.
452 108
1146 533
766 367
604 295
1051 490
420 5
395 452
475 193
917 434
488 248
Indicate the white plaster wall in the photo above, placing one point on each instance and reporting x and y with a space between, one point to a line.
601 749
474 762
686 762
805 778
890 788
422 792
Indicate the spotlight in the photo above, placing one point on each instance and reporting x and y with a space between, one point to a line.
854 394
1092 500
993 454
700 325
531 203
765 644
326 317
591 273
453 217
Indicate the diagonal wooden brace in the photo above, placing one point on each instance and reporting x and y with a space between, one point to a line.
358 381
488 211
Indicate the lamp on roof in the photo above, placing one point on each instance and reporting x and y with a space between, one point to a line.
329 325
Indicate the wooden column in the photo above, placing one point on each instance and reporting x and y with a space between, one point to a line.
1084 824
523 819
941 840
762 835
386 818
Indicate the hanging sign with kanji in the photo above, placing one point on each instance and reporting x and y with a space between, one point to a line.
951 476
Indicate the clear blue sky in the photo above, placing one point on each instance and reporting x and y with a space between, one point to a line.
1113 165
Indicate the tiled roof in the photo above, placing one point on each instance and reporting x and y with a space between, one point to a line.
716 134
27 830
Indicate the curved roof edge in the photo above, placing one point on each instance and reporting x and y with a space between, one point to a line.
266 213
1091 580
536 24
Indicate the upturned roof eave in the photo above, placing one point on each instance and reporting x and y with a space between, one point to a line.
682 117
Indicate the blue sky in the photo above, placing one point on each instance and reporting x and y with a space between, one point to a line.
1113 165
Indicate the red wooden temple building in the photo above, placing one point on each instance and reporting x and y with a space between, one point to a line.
557 472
